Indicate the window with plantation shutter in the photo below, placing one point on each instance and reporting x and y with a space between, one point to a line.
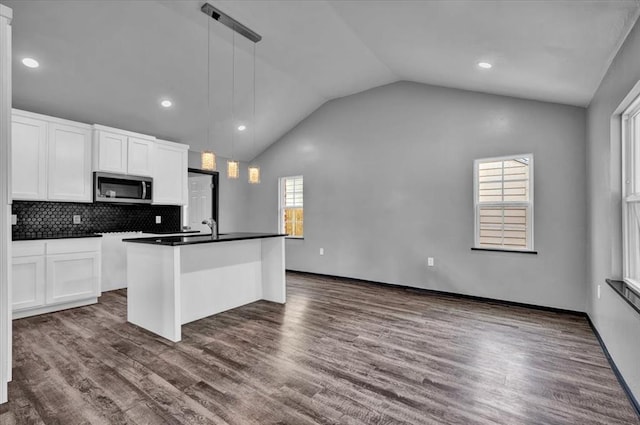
292 206
503 202
631 194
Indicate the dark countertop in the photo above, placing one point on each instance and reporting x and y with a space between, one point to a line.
168 232
198 239
39 236
70 235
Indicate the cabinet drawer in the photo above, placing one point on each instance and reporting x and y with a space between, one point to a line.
27 248
70 246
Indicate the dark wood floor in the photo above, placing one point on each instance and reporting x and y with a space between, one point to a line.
339 352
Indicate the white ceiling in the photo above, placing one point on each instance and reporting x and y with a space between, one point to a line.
110 62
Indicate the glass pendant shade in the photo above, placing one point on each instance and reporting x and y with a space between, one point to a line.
233 169
254 174
208 161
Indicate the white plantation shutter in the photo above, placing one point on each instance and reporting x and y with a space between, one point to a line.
503 202
292 206
293 192
503 226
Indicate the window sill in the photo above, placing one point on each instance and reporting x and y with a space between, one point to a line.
629 294
516 251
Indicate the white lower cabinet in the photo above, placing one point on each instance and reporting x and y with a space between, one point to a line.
29 282
55 275
72 277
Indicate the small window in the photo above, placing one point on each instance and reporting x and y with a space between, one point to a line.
503 203
292 206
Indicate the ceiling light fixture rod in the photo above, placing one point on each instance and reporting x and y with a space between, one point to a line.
228 21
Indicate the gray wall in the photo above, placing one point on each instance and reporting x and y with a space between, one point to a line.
388 182
617 322
233 195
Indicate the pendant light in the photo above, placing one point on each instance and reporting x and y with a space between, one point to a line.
208 158
208 161
254 170
254 174
233 167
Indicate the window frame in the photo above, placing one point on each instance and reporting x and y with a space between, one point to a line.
282 207
630 193
529 205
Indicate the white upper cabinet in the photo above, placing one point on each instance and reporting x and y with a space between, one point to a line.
28 158
140 157
110 152
122 152
51 158
69 172
170 173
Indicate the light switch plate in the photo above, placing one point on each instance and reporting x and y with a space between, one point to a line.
77 219
430 262
158 219
14 219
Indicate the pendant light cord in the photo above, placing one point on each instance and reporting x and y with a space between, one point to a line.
233 94
253 141
209 83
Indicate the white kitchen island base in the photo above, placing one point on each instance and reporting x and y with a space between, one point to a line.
170 285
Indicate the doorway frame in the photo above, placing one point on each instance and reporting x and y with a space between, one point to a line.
215 199
6 16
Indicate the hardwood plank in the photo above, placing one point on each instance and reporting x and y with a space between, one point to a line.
339 352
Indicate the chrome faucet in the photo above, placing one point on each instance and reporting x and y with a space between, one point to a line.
213 226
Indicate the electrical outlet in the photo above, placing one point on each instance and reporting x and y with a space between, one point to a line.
14 219
321 251
598 291
158 219
430 262
77 219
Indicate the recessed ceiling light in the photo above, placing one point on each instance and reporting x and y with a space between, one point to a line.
242 127
484 65
166 103
30 62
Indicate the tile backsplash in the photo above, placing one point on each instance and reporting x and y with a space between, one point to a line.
40 219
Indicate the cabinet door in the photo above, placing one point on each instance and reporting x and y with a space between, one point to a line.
170 175
28 282
72 277
140 157
69 171
111 152
28 158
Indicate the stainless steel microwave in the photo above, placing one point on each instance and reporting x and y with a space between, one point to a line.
122 189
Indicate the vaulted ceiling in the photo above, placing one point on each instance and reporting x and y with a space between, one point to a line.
111 62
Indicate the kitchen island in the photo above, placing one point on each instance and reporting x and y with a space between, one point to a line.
175 280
